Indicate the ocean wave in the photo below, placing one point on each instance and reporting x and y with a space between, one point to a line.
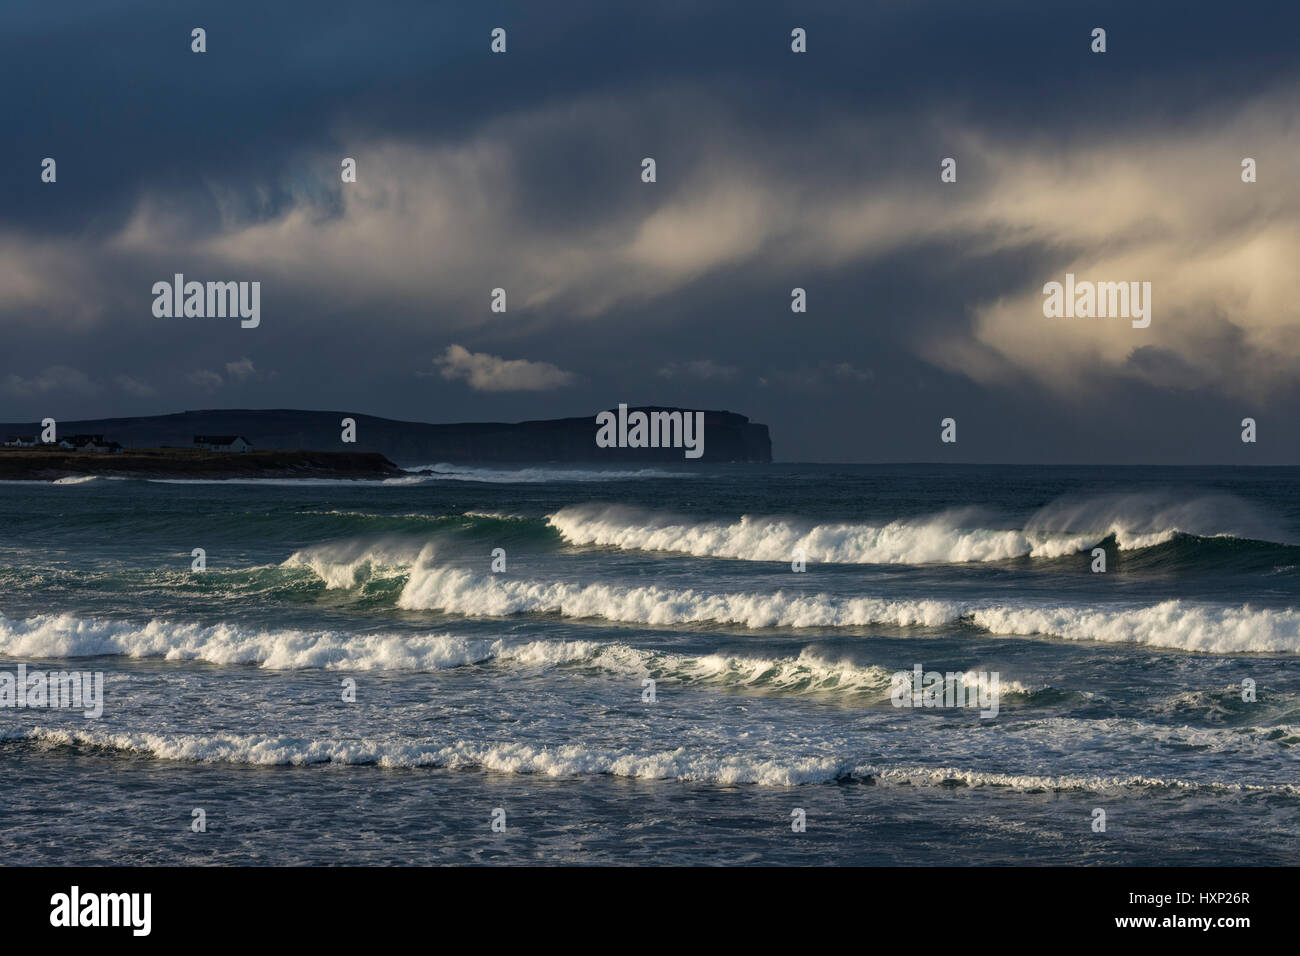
492 516
65 636
1139 520
936 540
285 482
694 764
1133 522
530 475
348 563
397 540
1224 707
1171 624
458 591
404 544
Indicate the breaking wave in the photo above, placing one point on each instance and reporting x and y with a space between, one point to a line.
532 475
922 541
407 575
65 636
1133 522
571 760
1170 624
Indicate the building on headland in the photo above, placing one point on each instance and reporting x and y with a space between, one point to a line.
729 437
90 443
222 443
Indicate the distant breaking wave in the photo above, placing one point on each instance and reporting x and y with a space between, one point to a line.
1134 522
922 541
531 475
460 592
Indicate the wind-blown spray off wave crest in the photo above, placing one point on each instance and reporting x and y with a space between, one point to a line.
409 539
348 563
1146 519
935 540
1133 522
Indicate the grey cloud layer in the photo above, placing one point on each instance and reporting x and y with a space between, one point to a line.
444 225
522 172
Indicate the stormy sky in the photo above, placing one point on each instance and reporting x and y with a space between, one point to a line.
775 170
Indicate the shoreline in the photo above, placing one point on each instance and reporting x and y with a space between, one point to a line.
43 465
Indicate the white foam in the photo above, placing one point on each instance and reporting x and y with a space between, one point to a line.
1064 527
420 515
935 540
569 760
346 564
63 636
459 592
67 480
1172 624
1150 518
533 475
516 758
286 482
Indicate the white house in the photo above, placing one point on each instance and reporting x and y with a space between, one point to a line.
21 441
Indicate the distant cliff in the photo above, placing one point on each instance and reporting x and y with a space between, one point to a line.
728 436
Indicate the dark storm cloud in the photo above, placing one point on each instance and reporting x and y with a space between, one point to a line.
775 170
115 90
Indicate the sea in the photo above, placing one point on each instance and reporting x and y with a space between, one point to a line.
670 665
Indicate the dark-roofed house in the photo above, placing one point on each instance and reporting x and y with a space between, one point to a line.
21 441
90 443
222 443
